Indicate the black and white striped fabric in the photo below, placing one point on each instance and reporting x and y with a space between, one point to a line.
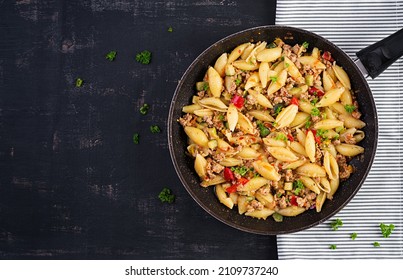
353 25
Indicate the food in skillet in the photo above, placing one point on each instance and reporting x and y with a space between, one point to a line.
272 128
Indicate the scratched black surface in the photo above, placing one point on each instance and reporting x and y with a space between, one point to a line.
72 183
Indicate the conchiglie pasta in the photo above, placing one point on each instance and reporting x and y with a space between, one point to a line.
349 150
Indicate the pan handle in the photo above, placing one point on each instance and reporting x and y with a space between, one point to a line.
379 56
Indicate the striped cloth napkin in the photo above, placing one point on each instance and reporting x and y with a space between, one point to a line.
353 25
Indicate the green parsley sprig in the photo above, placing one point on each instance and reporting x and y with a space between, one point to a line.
166 195
155 129
111 55
336 224
144 109
386 229
79 82
144 57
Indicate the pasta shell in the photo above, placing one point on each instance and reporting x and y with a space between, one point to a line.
220 63
342 76
312 61
200 165
291 211
267 199
330 97
298 148
203 112
346 98
280 82
320 200
300 119
339 108
324 185
261 115
215 82
248 153
351 122
315 53
216 180
266 170
331 166
295 164
301 136
310 184
244 65
191 108
213 103
334 185
245 124
359 136
269 141
349 150
269 55
286 116
196 135
264 69
254 184
310 147
242 204
229 70
327 81
222 197
311 170
328 124
260 214
291 68
247 52
232 116
282 154
237 52
252 81
222 145
306 107
261 99
229 162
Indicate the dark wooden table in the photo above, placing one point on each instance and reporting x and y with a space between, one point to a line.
73 185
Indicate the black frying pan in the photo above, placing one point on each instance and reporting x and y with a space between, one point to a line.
375 58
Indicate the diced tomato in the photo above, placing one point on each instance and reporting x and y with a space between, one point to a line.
317 138
232 189
290 137
315 91
228 174
293 200
242 180
294 101
328 56
238 101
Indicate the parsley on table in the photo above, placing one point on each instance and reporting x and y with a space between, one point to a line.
386 229
349 108
136 138
315 112
170 29
336 224
144 109
79 82
305 45
155 129
144 57
166 195
264 131
333 247
376 244
353 236
298 186
111 55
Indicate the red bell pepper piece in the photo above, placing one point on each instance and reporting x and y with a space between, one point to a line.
290 137
232 189
243 180
315 91
293 200
317 137
294 101
238 101
228 174
328 56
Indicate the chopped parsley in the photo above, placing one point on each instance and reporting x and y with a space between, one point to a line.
349 108
242 170
238 81
336 224
79 82
144 57
136 138
305 45
281 136
111 55
221 117
376 244
155 129
286 65
333 247
321 132
353 236
206 86
273 79
314 101
166 195
170 29
144 109
315 112
386 229
277 108
298 186
308 123
264 131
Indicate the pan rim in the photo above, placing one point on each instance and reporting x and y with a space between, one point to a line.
189 189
